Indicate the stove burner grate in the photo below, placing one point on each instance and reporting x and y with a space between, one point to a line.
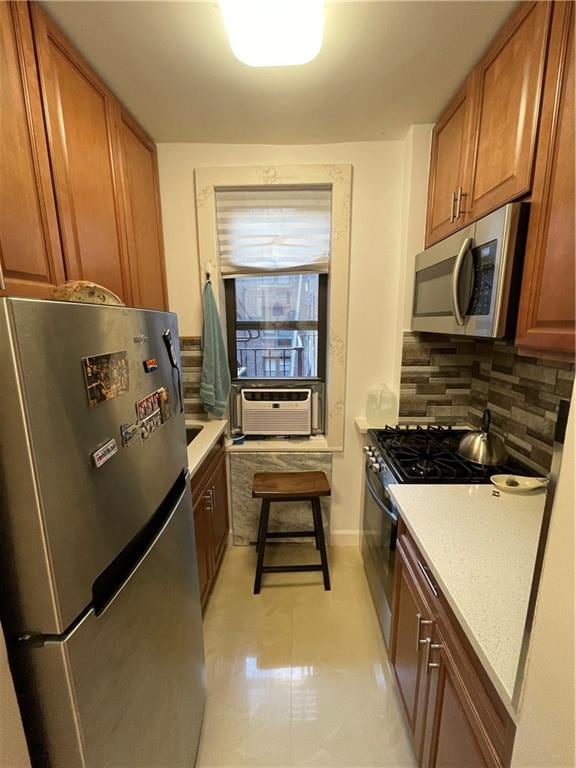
430 455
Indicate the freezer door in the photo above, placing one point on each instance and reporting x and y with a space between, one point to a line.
84 514
126 689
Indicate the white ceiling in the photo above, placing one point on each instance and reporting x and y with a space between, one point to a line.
383 66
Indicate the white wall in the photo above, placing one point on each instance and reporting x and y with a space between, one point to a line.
546 729
376 270
414 201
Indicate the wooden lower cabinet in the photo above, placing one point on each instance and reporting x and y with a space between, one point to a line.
211 520
453 734
411 618
454 714
203 543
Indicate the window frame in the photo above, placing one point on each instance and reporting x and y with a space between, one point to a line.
208 180
233 325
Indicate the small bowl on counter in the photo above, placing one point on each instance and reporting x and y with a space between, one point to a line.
518 483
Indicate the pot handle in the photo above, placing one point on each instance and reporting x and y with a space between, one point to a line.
486 419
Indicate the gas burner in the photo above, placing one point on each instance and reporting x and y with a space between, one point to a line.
426 466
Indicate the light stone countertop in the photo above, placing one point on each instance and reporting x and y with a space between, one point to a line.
482 551
200 447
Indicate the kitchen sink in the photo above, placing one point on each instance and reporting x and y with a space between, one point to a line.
192 433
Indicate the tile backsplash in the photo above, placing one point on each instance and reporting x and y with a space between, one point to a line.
450 380
191 355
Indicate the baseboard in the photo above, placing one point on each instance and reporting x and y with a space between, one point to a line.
344 538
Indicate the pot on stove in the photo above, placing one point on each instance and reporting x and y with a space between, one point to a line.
482 446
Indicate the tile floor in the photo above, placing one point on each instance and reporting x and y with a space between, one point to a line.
298 676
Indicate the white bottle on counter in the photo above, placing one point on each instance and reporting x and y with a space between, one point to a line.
381 408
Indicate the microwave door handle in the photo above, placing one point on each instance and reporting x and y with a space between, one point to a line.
456 280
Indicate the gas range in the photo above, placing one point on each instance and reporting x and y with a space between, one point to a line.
407 455
429 455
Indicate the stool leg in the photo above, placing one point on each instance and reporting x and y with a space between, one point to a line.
261 545
319 531
259 526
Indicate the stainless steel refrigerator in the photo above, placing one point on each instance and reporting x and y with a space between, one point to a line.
100 600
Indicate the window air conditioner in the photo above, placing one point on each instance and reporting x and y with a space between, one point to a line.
276 411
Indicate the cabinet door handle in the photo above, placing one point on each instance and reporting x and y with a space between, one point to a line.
459 197
2 282
208 498
429 648
429 581
420 622
452 204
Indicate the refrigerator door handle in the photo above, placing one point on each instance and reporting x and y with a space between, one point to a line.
112 580
167 339
115 577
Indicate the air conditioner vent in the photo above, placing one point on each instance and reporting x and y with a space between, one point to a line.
276 395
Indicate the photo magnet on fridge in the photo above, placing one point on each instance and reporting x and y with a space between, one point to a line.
129 432
106 376
164 400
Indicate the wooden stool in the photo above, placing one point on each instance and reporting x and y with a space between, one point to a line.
290 486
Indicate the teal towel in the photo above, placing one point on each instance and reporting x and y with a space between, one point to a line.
215 382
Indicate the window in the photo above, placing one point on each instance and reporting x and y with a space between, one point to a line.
274 255
277 326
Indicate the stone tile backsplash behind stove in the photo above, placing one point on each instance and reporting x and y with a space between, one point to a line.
451 380
191 356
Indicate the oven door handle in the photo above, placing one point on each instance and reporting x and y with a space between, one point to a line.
457 309
377 499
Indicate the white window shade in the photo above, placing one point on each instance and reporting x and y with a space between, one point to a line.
273 230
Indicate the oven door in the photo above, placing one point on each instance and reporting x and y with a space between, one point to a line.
379 531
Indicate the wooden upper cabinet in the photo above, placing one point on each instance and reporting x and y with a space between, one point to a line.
448 163
547 305
484 143
79 113
30 256
507 94
143 219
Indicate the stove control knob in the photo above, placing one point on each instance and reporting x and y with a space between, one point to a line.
374 466
367 449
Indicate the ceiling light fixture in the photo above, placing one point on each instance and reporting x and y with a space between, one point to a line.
274 33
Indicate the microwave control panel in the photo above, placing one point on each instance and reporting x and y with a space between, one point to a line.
484 264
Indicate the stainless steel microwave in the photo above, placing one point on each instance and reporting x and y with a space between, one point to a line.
464 284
